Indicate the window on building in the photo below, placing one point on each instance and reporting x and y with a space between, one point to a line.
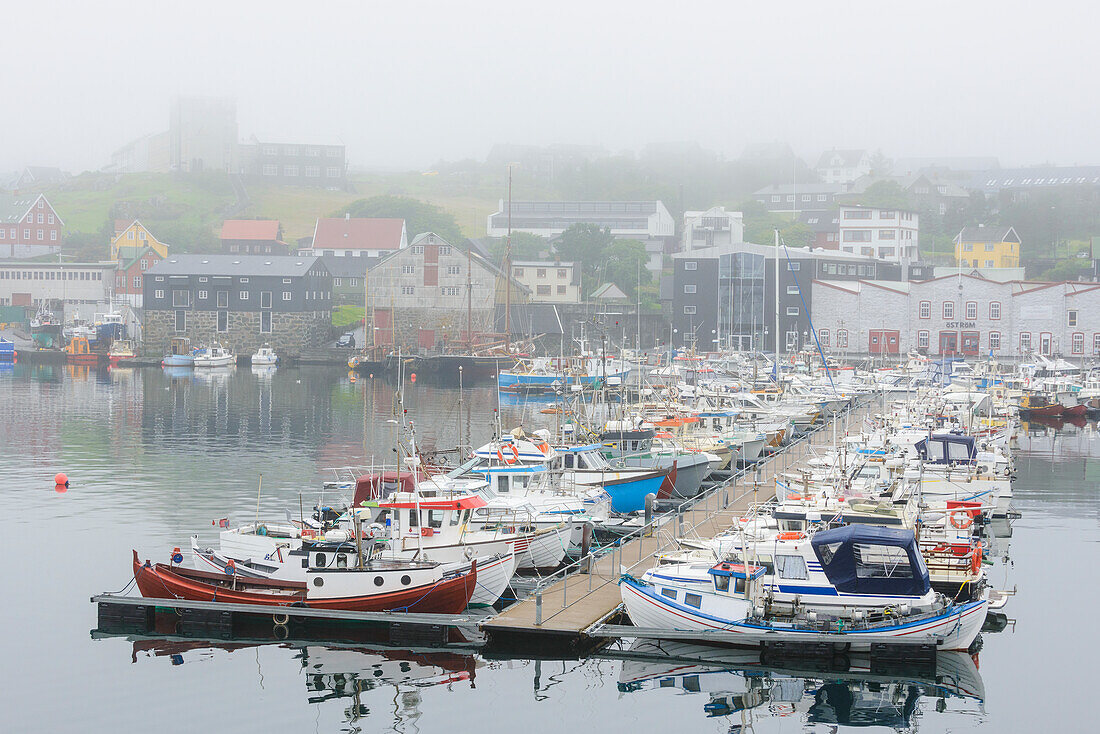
792 290
337 282
454 270
453 290
790 198
223 299
41 234
181 321
353 282
540 272
842 338
137 281
994 340
563 273
543 290
822 197
886 234
418 249
691 265
689 310
971 310
989 263
857 235
332 172
1025 341
857 213
1077 343
922 339
223 321
518 272
690 288
286 295
270 169
243 295
180 298
792 340
775 199
265 322
408 290
203 295
1071 318
53 235
793 266
1096 343
949 309
886 214
994 310
408 269
823 337
561 290
792 310
158 294
313 171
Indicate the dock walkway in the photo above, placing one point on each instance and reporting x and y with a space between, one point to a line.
586 593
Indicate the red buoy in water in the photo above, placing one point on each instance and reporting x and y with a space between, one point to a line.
413 377
61 479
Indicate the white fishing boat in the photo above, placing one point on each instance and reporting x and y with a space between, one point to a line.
214 356
873 587
265 355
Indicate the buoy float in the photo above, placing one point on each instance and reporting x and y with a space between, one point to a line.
60 478
413 377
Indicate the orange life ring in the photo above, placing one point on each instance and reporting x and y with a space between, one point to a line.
515 453
961 524
976 561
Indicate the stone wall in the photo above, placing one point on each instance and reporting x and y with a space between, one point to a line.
292 332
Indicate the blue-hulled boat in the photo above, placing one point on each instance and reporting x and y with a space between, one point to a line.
180 353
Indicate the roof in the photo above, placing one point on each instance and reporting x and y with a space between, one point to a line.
795 253
609 292
250 229
135 253
987 234
358 233
14 208
821 221
540 264
348 267
848 158
1037 177
804 188
233 265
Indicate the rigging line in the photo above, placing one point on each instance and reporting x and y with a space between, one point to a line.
813 331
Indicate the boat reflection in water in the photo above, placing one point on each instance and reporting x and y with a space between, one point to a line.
334 673
850 689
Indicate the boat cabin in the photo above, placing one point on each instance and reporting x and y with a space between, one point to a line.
407 517
180 346
870 560
947 448
734 578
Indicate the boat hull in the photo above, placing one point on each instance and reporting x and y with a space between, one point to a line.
953 629
446 596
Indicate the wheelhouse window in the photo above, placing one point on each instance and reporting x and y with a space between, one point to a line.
881 562
791 567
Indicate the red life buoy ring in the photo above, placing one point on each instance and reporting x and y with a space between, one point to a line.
960 519
503 460
515 453
976 561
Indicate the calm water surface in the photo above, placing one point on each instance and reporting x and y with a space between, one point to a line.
154 457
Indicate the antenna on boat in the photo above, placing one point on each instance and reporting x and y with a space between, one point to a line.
259 488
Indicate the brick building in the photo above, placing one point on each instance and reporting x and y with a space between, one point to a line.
29 227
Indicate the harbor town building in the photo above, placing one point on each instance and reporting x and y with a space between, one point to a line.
963 315
29 227
242 302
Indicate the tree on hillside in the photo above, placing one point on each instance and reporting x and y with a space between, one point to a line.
882 195
419 216
624 264
760 226
585 244
525 246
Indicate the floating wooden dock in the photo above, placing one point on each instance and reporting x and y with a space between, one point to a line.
572 607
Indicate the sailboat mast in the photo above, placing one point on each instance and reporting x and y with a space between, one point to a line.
508 271
777 305
469 301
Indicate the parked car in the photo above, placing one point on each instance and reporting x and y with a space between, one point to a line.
346 341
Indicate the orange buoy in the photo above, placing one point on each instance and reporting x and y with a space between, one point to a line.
61 479
413 377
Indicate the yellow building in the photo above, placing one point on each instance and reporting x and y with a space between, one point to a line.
987 247
135 237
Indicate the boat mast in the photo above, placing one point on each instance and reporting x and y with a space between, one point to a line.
777 307
508 272
469 301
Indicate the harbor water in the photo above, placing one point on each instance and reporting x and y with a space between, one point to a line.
154 456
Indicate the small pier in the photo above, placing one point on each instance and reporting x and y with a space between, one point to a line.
574 606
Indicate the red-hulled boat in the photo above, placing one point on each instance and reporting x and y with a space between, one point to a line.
378 587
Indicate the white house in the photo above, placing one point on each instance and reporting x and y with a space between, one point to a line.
711 228
843 166
888 234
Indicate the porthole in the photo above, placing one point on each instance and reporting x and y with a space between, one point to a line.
318 581
378 581
406 580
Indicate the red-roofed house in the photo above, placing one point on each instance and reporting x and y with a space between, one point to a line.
253 237
357 237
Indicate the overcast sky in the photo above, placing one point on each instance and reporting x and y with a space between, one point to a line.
407 83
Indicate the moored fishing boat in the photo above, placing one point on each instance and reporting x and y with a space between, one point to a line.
180 353
265 355
375 587
214 356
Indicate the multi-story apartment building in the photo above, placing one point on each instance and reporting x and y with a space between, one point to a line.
711 228
886 234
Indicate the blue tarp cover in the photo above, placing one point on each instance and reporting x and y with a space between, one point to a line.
951 449
840 559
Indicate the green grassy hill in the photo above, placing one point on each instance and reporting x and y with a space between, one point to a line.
186 210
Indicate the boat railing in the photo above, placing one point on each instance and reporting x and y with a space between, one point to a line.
689 516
